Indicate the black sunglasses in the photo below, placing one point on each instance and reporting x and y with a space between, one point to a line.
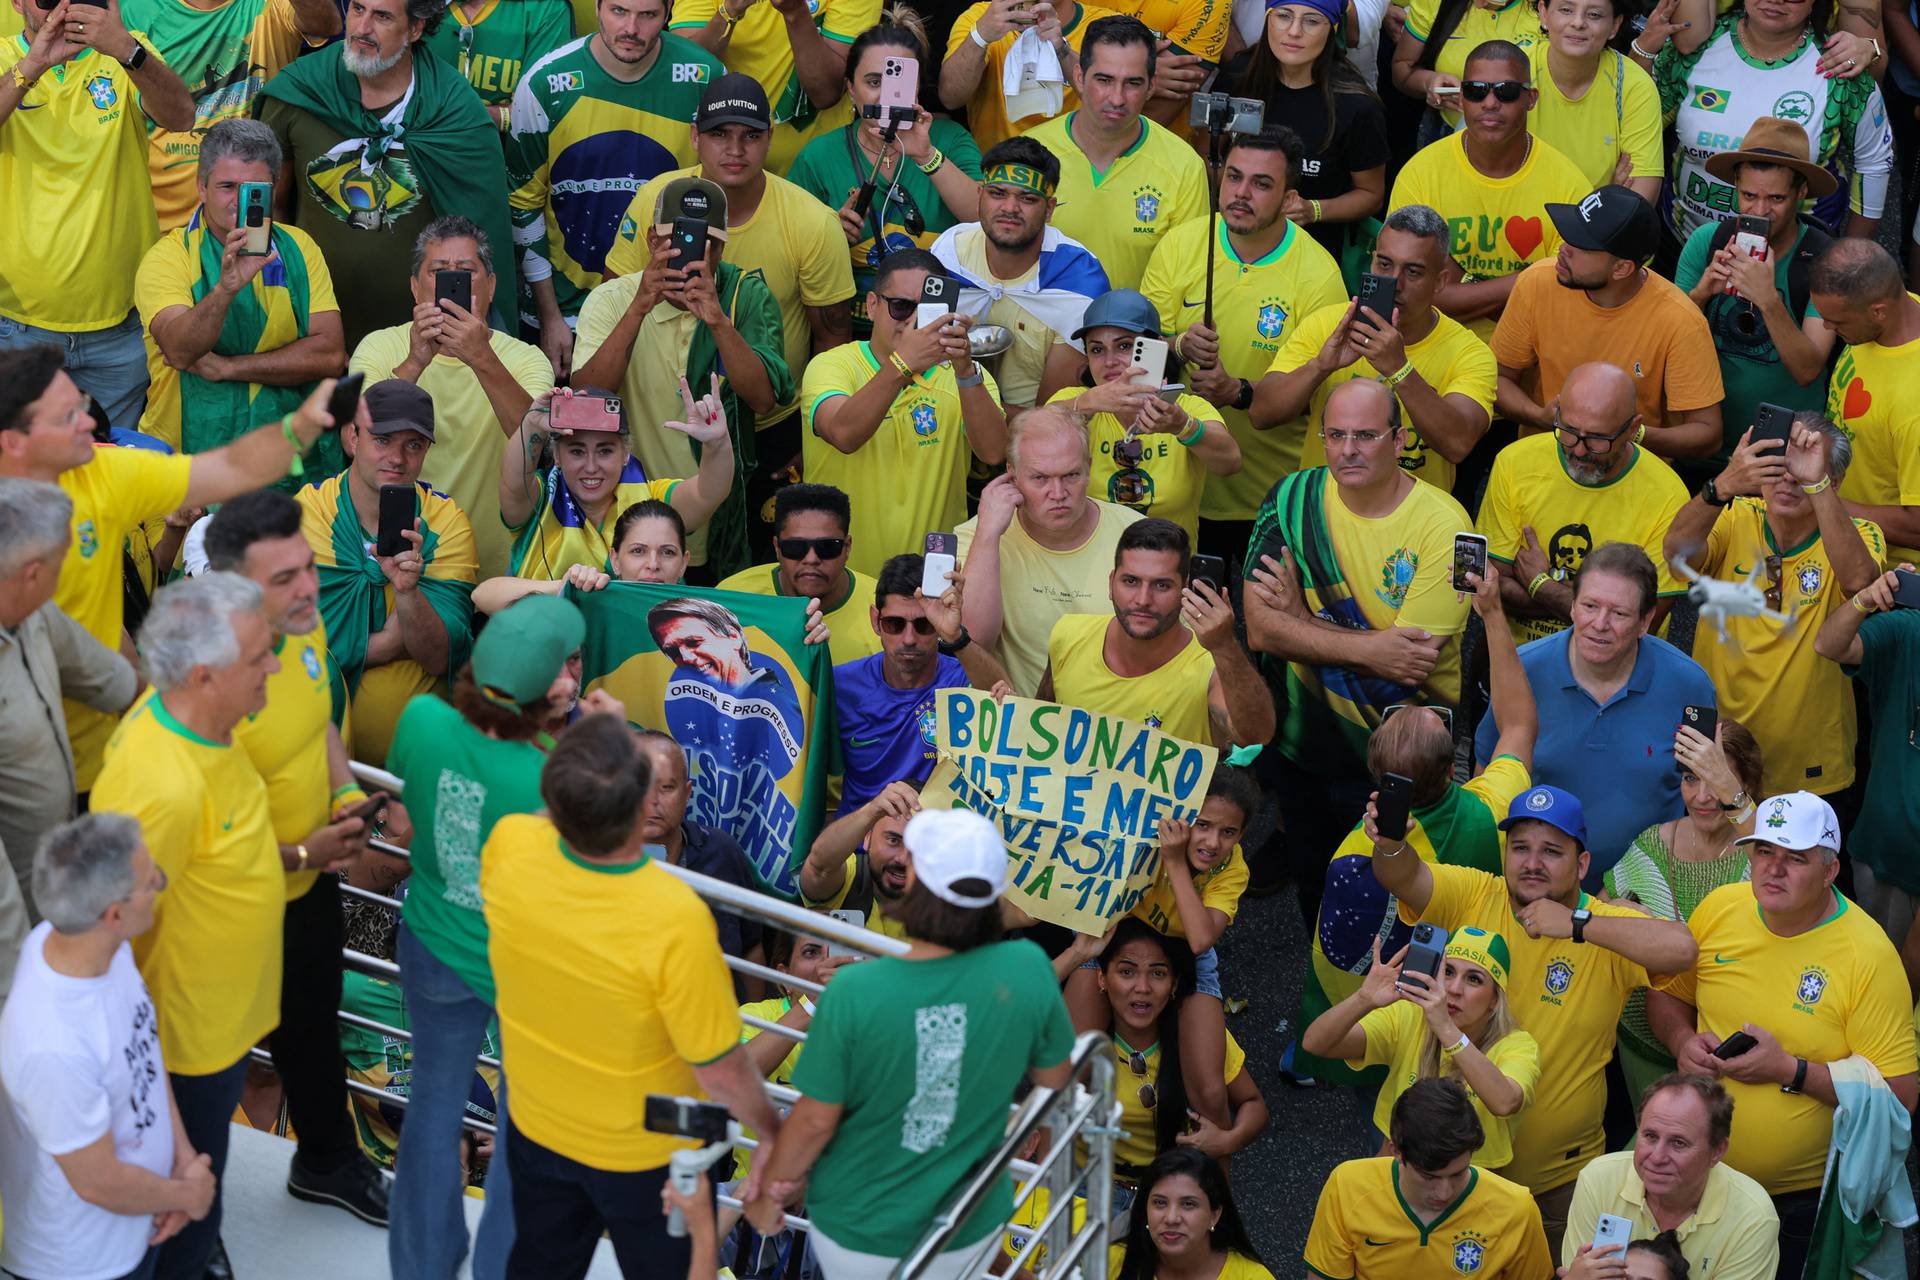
797 548
1149 1096
898 308
894 626
1505 90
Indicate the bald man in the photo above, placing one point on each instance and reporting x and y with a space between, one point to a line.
1552 498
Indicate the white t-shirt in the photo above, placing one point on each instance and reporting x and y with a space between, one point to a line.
79 1057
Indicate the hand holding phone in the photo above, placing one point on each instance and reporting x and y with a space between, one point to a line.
344 403
396 516
1428 950
1150 355
1394 806
936 302
899 93
455 286
1211 570
1612 1232
1377 294
1773 424
689 240
1469 557
1906 589
1704 721
253 211
940 557
1734 1046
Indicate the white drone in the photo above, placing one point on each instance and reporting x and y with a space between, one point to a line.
1719 600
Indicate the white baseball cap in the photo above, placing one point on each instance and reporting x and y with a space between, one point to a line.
1798 820
950 845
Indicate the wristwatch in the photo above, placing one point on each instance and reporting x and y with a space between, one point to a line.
1580 918
1244 401
1799 1084
1710 494
139 58
973 379
959 642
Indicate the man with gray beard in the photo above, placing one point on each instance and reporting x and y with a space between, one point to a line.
378 143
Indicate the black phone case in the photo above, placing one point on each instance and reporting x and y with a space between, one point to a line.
396 514
454 287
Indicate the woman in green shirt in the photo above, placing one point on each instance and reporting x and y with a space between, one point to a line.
924 181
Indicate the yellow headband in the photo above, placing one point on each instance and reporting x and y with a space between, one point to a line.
1488 950
1023 176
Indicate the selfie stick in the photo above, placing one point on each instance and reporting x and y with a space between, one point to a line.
685 1168
1221 110
896 116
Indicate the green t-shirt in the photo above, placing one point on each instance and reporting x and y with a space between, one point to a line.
832 167
459 782
924 1055
1883 837
1749 365
495 49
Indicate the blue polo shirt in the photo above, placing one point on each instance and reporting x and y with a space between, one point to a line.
886 734
712 852
1617 757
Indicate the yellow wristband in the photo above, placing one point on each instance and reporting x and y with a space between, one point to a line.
21 80
1538 578
1400 375
1821 486
893 358
1313 210
1855 602
345 798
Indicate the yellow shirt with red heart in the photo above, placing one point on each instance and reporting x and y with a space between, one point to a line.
1871 395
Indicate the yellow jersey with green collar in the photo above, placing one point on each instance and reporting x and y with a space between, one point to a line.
1870 396
1256 308
1137 1147
1364 1229
1568 996
76 206
1798 705
212 958
846 617
1826 994
287 741
1220 889
910 477
1121 215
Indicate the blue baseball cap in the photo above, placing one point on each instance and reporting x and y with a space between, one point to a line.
1125 309
1551 805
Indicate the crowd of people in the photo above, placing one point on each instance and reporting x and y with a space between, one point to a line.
1481 424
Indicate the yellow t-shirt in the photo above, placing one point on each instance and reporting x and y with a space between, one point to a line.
1121 215
113 495
1396 1037
1451 359
1529 485
594 1013
1238 1266
1515 20
1734 1231
1364 1230
1169 480
1826 994
910 478
559 534
792 242
287 742
1568 997
1040 586
1138 1147
987 108
1798 705
1172 698
769 1011
1499 225
76 211
166 278
761 48
468 440
1618 115
1201 27
212 958
1219 888
847 618
1870 396
1257 306
877 920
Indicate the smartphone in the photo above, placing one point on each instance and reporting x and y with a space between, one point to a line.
396 515
1442 90
1750 238
1211 570
936 299
1773 424
1376 294
1610 1229
255 212
1906 589
940 557
1733 1046
899 92
689 238
1395 805
454 286
705 1122
585 413
1172 392
344 403
1427 951
1704 721
847 916
1150 354
1469 556
371 810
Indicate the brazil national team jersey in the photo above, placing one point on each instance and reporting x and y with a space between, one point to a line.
581 143
885 733
1156 185
287 742
495 47
1364 1229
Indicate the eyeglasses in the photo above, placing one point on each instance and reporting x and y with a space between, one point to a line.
1773 582
1505 90
1592 442
1149 1096
797 548
898 308
894 626
1362 438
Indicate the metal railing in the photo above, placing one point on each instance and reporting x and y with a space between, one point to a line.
1076 1124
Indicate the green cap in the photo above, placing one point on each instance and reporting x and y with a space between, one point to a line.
520 652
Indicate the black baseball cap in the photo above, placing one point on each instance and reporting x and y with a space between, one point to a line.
733 99
1612 220
399 405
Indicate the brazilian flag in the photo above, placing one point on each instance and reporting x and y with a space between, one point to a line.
732 679
1708 98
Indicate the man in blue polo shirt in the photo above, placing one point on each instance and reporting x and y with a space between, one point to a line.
1610 699
885 700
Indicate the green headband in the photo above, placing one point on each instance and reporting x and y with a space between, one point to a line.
1024 176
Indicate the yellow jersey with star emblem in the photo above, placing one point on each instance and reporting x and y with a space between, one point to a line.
1826 994
1121 215
910 478
1870 396
1568 996
1798 705
287 741
1364 1229
212 957
1256 308
1172 698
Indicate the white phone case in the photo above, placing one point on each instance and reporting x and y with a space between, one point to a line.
1150 354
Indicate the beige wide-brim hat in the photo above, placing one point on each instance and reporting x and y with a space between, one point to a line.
1772 140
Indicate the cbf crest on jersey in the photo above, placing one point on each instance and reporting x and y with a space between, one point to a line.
1146 204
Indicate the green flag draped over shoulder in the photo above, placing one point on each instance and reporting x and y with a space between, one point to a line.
450 142
731 677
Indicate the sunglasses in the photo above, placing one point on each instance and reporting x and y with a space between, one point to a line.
1505 90
1128 451
797 548
894 626
899 308
1149 1096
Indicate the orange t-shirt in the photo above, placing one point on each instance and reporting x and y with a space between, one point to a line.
1659 337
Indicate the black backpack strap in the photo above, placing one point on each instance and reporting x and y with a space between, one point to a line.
1800 270
860 888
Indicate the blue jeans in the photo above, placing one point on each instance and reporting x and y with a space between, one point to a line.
427 1225
205 1104
108 364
